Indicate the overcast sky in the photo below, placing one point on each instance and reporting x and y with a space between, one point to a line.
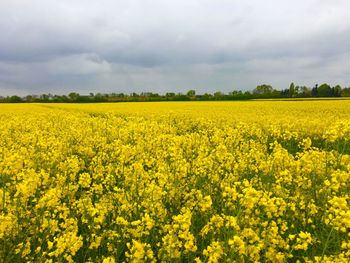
59 46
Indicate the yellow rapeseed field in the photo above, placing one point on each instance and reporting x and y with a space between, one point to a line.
253 181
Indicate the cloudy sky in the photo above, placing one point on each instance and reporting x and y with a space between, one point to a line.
59 46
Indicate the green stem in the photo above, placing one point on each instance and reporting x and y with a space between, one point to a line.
3 200
326 245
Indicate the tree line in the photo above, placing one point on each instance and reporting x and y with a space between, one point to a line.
263 91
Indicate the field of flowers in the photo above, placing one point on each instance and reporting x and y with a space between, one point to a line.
255 181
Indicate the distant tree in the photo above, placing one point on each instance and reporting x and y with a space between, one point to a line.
14 99
58 98
99 97
170 96
263 91
304 92
236 95
82 99
324 90
345 92
191 93
30 98
291 91
274 94
181 97
149 96
218 95
284 93
337 90
248 95
73 96
314 91
44 97
207 96
296 91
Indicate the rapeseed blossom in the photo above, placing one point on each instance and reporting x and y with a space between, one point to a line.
188 182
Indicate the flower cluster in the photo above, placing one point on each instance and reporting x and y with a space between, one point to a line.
175 182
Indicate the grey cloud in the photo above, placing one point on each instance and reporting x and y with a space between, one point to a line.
53 46
81 64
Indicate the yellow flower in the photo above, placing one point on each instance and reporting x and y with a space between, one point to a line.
214 252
